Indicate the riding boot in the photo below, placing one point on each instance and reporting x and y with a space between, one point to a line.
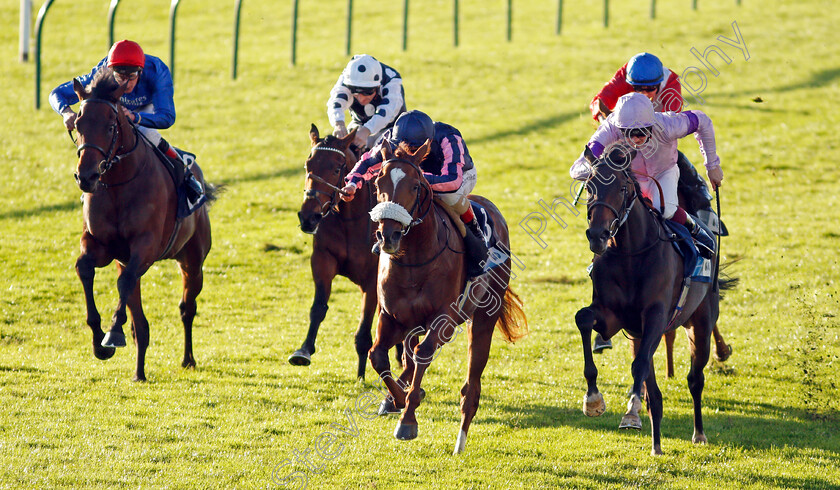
183 175
375 250
600 344
476 250
703 239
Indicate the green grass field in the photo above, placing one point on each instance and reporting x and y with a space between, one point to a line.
771 413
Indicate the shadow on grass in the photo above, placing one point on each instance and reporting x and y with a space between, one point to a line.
529 128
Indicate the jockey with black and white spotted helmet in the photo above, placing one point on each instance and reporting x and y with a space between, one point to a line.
374 95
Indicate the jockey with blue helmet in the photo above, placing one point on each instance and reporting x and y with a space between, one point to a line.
645 74
654 136
373 92
448 168
148 101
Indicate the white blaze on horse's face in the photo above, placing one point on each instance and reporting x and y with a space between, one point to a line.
396 176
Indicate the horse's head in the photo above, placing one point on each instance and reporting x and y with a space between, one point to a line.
100 125
400 191
328 163
612 190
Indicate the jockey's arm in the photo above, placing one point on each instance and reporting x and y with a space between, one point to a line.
700 125
452 171
339 101
609 94
163 100
63 96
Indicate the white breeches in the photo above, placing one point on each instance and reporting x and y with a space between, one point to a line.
668 181
458 199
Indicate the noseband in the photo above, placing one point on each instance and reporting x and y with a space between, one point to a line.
395 211
332 204
110 159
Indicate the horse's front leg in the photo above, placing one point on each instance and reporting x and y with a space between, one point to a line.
654 321
324 269
93 255
140 331
127 281
388 333
586 320
423 355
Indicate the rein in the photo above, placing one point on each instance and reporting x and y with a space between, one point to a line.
110 159
331 205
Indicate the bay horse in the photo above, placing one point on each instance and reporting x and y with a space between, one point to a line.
637 279
343 238
130 216
421 277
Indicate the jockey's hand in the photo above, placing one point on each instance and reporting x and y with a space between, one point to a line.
362 135
128 114
340 130
348 192
69 119
715 175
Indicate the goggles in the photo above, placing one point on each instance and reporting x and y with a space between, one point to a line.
362 90
645 88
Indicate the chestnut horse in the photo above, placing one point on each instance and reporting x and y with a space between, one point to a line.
343 239
421 277
130 216
637 279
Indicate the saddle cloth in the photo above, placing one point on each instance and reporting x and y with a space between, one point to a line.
694 266
495 256
185 206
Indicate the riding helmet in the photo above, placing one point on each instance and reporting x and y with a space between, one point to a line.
126 53
412 127
644 69
363 71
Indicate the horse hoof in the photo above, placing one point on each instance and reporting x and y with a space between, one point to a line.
594 406
139 379
388 407
631 422
723 357
405 432
300 358
699 439
113 339
656 451
188 364
103 353
601 344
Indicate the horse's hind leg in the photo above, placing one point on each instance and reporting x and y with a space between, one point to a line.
702 321
722 349
140 330
192 277
363 339
669 351
480 337
653 397
93 255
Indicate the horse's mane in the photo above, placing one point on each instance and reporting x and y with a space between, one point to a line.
104 85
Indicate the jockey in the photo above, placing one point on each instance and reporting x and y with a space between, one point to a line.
448 168
374 94
147 102
645 74
654 135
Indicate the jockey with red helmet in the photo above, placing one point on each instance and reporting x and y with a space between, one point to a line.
654 136
448 168
645 74
148 100
373 93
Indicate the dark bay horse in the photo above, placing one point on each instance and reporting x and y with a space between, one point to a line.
130 216
637 278
342 242
421 277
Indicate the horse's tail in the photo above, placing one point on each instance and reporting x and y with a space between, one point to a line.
725 281
212 192
512 322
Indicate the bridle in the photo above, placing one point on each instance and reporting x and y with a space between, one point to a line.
620 215
331 205
418 201
110 155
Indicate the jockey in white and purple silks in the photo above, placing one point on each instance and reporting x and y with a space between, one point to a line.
654 135
448 168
